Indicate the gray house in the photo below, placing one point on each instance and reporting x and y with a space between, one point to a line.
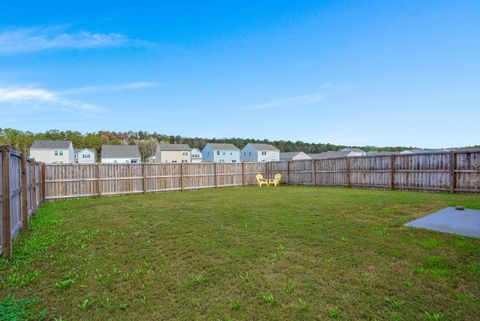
85 156
221 153
53 151
126 154
259 153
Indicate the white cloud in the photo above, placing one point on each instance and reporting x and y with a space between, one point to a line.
37 39
110 88
21 95
292 101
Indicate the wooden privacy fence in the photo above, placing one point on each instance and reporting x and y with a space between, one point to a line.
457 171
445 171
22 191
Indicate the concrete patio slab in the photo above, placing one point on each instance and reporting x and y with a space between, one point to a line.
450 220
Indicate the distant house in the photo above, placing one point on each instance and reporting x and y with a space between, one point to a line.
294 156
125 154
53 151
151 159
173 153
85 156
221 153
259 153
196 155
422 150
354 151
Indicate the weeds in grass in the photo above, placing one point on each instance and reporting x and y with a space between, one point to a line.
334 312
394 315
106 303
427 243
280 247
434 316
289 288
394 303
22 280
235 305
12 309
408 282
270 299
86 304
229 318
303 304
474 268
274 255
344 238
244 277
197 278
123 306
65 283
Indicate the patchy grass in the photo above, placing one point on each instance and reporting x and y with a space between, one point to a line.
290 253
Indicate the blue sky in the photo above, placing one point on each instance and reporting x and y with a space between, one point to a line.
382 73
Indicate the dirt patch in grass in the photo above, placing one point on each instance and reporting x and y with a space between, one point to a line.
290 253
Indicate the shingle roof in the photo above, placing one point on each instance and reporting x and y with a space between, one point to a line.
119 151
46 144
264 147
326 155
223 146
173 147
353 149
76 150
289 155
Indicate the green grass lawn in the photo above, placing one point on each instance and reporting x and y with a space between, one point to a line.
290 253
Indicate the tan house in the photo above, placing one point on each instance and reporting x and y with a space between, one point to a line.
173 153
53 151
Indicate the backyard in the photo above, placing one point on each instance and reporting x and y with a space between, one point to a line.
243 253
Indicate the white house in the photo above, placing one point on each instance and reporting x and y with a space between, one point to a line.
259 153
85 156
294 156
151 159
173 153
196 155
354 151
345 152
221 153
125 154
53 151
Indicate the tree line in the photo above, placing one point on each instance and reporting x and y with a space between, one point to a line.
22 140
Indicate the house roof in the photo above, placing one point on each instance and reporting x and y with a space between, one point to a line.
330 154
120 151
80 149
263 147
290 155
47 144
352 149
223 146
173 147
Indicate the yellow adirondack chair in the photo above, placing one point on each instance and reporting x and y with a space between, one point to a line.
261 181
276 181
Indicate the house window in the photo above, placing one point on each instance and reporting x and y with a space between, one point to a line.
249 153
174 162
86 156
223 153
115 161
218 152
59 152
244 153
234 160
264 153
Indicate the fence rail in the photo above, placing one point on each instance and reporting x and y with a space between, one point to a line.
21 193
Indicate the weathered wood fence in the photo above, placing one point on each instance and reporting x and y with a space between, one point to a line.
445 171
22 191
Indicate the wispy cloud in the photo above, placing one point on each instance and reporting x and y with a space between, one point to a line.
30 95
110 88
292 101
36 39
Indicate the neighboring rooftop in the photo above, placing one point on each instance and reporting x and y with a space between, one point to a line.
290 155
223 146
352 149
330 154
47 144
120 151
265 147
173 147
76 150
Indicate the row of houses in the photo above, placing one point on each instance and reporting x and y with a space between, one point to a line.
59 152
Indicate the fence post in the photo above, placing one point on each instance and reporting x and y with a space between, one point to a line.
181 176
144 172
243 173
99 180
23 171
6 232
453 174
288 172
392 172
314 172
33 175
215 174
43 182
347 169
